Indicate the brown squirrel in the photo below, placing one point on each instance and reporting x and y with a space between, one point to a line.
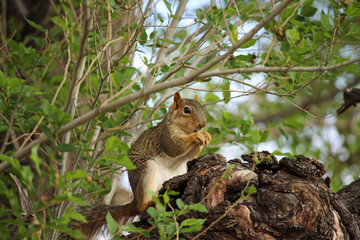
159 154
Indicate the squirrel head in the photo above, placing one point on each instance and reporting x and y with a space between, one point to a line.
188 114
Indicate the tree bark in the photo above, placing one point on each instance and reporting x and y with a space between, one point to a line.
292 199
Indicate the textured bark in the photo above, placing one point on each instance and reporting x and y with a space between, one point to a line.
293 200
350 194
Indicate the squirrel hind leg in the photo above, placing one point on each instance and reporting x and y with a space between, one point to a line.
148 177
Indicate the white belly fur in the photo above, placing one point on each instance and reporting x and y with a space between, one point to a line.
165 169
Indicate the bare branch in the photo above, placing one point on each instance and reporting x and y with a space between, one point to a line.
145 92
79 61
278 69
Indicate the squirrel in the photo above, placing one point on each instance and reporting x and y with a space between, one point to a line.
159 154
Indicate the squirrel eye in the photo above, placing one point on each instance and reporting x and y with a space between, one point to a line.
187 110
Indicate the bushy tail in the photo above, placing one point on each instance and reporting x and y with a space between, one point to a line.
96 218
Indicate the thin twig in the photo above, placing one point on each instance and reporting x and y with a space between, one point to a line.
278 69
145 92
78 62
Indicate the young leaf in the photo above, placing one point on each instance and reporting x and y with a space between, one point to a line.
192 221
180 204
76 234
114 143
77 174
199 207
168 5
250 190
292 35
191 225
249 43
14 162
210 97
36 26
264 135
121 159
166 197
36 159
77 216
153 212
111 224
170 228
251 119
278 152
66 147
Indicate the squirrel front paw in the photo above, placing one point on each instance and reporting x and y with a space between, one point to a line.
207 137
203 138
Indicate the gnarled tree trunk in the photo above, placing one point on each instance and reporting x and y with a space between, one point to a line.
292 201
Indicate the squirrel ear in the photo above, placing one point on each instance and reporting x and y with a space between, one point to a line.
177 100
197 97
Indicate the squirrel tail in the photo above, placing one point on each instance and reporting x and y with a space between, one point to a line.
96 217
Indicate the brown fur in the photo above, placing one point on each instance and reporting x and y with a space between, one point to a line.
163 148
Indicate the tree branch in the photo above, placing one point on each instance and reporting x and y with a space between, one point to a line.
279 69
145 92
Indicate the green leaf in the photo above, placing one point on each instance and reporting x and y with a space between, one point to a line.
199 13
161 20
122 75
294 124
180 204
354 30
278 152
282 131
250 118
55 114
170 228
114 143
77 174
131 228
264 135
210 97
47 132
191 225
14 162
168 5
226 92
250 190
249 43
172 193
353 11
192 221
308 11
199 207
292 35
36 26
68 196
166 197
325 22
255 134
143 37
111 224
152 36
36 159
77 216
76 234
121 159
66 147
245 127
153 212
227 116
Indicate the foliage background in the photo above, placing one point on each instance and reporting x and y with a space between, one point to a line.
85 78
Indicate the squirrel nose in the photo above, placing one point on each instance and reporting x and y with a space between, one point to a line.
202 125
